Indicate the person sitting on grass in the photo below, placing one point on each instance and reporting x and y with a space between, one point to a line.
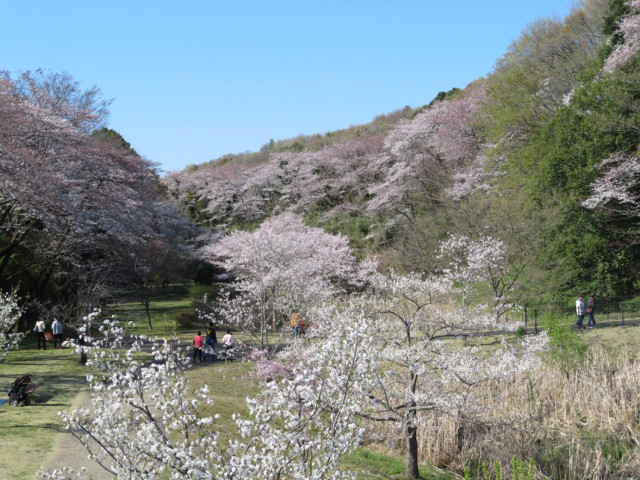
198 342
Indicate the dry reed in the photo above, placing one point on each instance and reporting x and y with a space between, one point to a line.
582 426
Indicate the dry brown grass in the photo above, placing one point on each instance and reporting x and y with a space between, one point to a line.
586 425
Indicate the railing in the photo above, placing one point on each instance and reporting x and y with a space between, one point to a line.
608 311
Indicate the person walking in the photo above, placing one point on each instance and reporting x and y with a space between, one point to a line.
39 329
580 311
198 342
591 306
56 329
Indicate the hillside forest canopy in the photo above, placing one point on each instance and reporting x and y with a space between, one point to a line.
401 239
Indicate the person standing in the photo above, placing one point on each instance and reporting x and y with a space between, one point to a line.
211 338
39 329
580 311
82 342
198 342
56 329
295 324
591 306
227 340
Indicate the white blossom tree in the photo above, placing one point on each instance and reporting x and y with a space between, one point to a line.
475 263
385 355
10 312
426 358
630 29
616 190
145 423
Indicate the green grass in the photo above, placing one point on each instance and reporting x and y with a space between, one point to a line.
28 432
374 465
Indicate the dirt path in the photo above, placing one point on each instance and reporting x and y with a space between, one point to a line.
68 452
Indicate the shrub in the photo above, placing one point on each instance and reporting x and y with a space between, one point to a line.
185 319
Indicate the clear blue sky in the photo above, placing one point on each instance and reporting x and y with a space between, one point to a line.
193 80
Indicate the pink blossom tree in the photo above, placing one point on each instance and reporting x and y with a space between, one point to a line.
334 177
67 198
423 154
630 29
283 266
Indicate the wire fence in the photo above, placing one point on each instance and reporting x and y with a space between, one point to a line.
608 312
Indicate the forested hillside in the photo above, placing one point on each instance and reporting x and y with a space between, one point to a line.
541 154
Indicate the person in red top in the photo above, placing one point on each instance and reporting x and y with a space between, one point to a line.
198 342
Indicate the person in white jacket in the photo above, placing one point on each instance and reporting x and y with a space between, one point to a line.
39 329
227 340
579 311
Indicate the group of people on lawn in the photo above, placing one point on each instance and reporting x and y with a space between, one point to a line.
56 329
209 342
200 343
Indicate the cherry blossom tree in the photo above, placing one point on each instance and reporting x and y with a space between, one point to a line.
63 96
283 266
9 314
617 189
67 199
384 355
330 180
474 262
414 324
423 154
629 27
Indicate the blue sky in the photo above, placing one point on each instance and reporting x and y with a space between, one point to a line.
193 80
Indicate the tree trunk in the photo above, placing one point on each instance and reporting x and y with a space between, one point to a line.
148 312
412 429
412 452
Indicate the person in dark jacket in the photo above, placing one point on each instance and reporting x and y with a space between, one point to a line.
591 307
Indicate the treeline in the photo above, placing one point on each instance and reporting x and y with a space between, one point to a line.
81 213
539 154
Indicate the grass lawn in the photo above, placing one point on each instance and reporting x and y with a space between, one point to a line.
27 433
375 465
615 340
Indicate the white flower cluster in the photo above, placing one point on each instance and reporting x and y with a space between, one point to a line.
10 312
145 423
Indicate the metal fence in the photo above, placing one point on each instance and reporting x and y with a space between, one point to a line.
608 311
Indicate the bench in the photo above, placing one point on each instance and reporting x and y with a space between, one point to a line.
48 337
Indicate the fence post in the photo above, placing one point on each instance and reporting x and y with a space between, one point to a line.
525 318
622 311
535 320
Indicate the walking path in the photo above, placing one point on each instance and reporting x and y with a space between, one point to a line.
68 452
